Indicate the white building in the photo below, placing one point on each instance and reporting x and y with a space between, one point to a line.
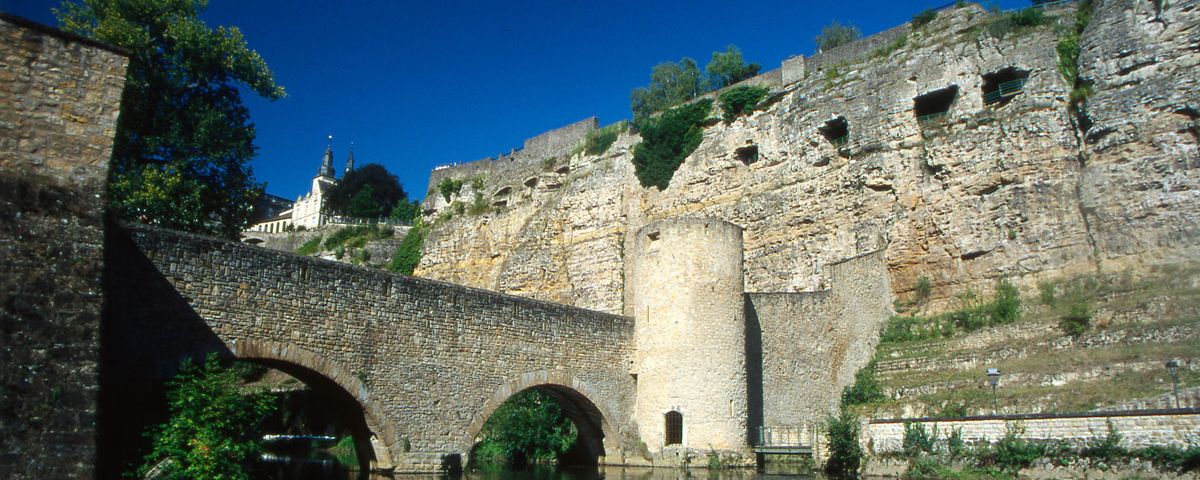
309 210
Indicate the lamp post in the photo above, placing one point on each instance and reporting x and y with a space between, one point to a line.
993 376
1173 369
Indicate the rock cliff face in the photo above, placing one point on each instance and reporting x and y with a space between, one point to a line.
1025 188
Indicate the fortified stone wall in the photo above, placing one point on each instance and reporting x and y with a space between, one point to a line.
426 360
1138 429
806 347
59 99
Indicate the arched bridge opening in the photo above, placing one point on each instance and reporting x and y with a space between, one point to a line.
595 435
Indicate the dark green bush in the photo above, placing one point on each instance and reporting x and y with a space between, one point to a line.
845 453
449 187
865 389
1078 317
741 100
1017 22
921 19
922 290
1006 308
408 255
667 139
1106 448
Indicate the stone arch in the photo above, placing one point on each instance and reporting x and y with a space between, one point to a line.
592 418
377 443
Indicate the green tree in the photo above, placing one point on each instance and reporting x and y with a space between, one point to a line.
214 428
370 191
835 35
845 453
667 139
529 428
183 129
670 84
406 211
727 68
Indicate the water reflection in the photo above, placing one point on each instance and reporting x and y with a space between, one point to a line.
282 469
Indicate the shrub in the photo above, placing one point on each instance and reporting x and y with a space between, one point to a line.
845 453
598 141
919 441
922 290
345 452
408 255
528 428
478 205
1006 308
1046 291
1078 317
835 35
310 247
449 187
741 100
955 445
900 42
865 389
214 428
921 19
1017 22
667 139
1105 448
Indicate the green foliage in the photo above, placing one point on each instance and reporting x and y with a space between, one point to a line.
529 428
598 141
213 429
899 42
1106 448
835 35
922 290
667 139
310 247
845 453
344 451
184 139
1068 53
478 204
1016 22
406 212
741 100
1078 317
670 84
1013 453
1046 293
955 446
449 187
921 19
356 237
370 191
727 68
1003 309
408 255
919 441
865 389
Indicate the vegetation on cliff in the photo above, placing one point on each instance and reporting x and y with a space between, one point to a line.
408 255
741 100
214 427
529 428
667 139
184 139
835 35
673 83
728 67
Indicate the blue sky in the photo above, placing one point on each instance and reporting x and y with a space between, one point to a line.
416 85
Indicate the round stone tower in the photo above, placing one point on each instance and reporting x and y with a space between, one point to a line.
690 363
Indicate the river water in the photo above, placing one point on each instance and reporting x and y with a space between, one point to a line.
317 467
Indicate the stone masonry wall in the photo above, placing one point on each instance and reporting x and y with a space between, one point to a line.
1138 429
810 344
59 99
425 359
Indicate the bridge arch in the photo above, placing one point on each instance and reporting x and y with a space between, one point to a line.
592 418
375 439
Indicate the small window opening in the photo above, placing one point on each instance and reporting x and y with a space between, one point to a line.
747 154
836 131
500 203
934 107
563 170
674 428
652 236
502 192
1000 87
531 182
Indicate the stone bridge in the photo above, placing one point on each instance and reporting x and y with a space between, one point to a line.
421 364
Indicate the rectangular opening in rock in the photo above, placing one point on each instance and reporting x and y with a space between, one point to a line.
1001 86
934 107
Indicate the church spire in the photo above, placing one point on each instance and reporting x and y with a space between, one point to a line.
327 160
349 160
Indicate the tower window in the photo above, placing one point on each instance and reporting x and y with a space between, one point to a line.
933 107
1000 87
674 428
836 131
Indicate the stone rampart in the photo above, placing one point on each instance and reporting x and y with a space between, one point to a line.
806 347
1137 428
856 50
59 99
426 360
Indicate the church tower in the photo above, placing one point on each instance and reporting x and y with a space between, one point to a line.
349 161
327 161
